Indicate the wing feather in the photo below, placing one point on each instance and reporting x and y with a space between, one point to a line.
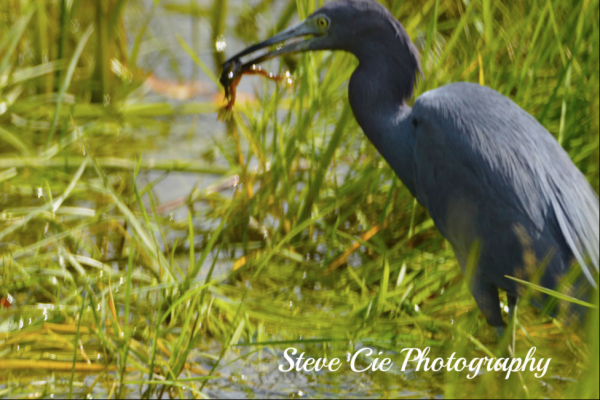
517 161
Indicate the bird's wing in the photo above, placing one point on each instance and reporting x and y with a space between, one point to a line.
474 133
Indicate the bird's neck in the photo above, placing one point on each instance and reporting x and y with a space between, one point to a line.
378 94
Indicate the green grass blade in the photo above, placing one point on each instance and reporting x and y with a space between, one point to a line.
553 293
67 81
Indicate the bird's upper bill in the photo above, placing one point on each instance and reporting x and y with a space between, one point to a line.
305 35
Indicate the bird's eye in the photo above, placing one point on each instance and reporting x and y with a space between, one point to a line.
323 23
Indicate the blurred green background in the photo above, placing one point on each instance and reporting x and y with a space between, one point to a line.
147 249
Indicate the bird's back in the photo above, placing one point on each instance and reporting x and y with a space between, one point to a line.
487 170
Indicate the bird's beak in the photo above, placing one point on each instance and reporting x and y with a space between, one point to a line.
302 30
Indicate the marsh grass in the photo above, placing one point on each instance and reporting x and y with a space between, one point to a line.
304 237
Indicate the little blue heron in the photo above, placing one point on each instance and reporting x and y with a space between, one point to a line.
490 175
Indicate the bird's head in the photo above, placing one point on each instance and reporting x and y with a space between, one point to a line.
362 27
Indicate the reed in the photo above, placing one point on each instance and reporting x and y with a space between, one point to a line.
296 233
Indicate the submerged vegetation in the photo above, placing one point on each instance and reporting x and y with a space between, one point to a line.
147 249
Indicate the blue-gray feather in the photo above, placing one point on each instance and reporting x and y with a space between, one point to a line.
516 162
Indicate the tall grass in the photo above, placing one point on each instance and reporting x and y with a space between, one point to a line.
305 238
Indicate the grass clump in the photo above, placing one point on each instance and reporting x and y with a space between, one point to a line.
293 232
